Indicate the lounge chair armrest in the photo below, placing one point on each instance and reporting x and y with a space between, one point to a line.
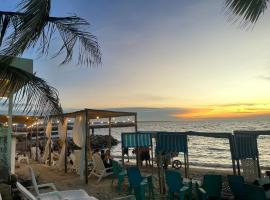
184 189
50 185
202 191
54 193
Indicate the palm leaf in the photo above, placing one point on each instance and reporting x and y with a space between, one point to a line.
33 94
28 28
71 32
33 27
247 11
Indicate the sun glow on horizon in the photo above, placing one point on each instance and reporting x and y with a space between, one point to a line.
225 111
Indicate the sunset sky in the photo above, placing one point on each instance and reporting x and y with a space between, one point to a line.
179 58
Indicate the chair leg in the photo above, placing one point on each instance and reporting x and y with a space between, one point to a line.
130 190
120 182
182 196
170 196
113 179
140 193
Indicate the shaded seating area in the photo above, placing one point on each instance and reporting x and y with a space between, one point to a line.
141 142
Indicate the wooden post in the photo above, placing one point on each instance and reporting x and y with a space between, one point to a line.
238 167
66 149
31 141
258 162
93 131
110 133
136 129
50 150
232 155
11 157
187 165
37 141
135 120
86 145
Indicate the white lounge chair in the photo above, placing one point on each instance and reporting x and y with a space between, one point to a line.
99 169
38 187
129 197
55 195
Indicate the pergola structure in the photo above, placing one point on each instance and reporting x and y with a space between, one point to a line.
92 114
19 119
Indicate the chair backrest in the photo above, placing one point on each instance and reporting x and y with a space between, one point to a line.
174 180
25 192
116 167
254 192
237 186
98 162
134 176
212 184
250 169
34 181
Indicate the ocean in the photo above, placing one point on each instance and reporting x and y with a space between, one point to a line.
204 151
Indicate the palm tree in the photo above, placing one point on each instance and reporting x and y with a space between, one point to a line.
32 27
247 11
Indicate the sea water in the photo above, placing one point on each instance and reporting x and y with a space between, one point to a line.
205 151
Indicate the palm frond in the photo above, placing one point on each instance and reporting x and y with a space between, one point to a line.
33 94
28 28
247 11
71 32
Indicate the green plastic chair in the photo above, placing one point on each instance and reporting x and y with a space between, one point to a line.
254 192
139 184
237 186
175 184
211 187
119 173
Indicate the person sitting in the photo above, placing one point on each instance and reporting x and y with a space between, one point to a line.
107 159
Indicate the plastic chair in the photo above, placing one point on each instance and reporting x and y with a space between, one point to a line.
175 184
254 192
237 186
139 183
99 169
119 173
211 187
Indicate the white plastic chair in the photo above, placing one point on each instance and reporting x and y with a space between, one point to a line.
36 186
129 197
99 169
55 195
23 158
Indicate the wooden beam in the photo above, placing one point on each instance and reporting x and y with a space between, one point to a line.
37 141
66 149
86 146
110 133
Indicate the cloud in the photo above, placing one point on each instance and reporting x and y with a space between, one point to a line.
264 77
153 114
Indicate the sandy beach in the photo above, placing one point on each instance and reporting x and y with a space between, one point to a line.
103 190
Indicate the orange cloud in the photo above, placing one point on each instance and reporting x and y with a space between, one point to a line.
226 111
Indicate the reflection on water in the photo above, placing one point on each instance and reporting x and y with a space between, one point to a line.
203 151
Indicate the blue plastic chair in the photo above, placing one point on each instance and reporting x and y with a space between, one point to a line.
175 184
119 173
139 184
254 192
237 186
211 187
